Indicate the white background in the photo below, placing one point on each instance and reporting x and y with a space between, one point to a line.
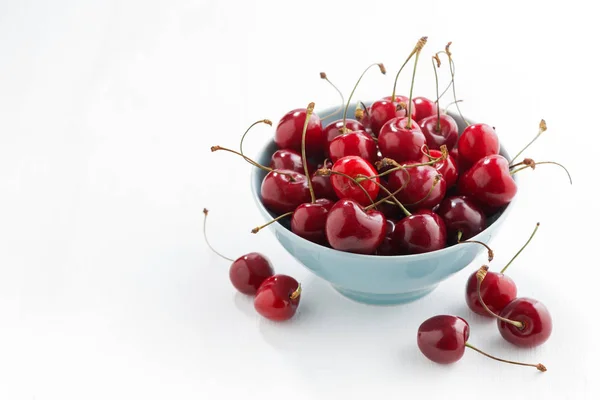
107 113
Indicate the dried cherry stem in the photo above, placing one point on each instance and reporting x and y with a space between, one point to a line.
360 111
309 111
254 163
542 129
481 273
258 228
529 163
490 251
452 72
412 83
390 195
435 60
540 367
386 162
327 172
205 211
381 69
296 293
522 248
341 107
418 47
262 121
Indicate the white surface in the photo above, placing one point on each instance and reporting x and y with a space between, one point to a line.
107 113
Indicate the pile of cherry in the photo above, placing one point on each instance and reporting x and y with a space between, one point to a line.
398 179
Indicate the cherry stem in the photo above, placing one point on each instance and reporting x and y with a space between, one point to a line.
412 84
490 251
309 111
422 41
390 195
540 367
262 121
529 163
388 161
383 71
341 107
296 293
452 72
258 228
522 248
325 171
542 129
435 60
481 273
205 211
267 169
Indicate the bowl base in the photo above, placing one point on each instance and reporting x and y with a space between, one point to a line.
384 299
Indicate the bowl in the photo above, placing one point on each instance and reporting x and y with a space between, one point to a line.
379 280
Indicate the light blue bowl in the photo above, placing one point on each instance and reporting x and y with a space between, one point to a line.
381 280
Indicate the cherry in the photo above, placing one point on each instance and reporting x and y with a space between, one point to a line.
288 134
355 143
496 289
308 220
381 111
423 108
400 142
462 216
443 339
446 167
282 191
419 233
247 272
476 142
288 159
349 227
278 297
387 248
323 187
335 129
439 130
489 182
353 166
424 186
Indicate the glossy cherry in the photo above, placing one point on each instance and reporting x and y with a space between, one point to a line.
446 167
444 134
476 142
351 228
288 134
534 317
282 191
323 187
308 220
355 143
381 111
489 182
443 339
419 233
418 192
278 297
290 160
387 248
355 166
334 129
400 143
461 215
424 108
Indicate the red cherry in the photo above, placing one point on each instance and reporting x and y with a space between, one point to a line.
323 187
535 320
418 193
249 271
381 111
354 166
288 134
461 215
400 143
281 194
419 233
334 129
290 160
443 339
278 297
489 182
497 290
476 142
308 220
447 168
454 154
386 248
350 228
423 108
446 134
356 143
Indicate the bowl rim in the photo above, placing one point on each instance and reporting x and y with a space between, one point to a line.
256 196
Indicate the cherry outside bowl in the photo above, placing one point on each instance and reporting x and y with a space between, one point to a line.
380 280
